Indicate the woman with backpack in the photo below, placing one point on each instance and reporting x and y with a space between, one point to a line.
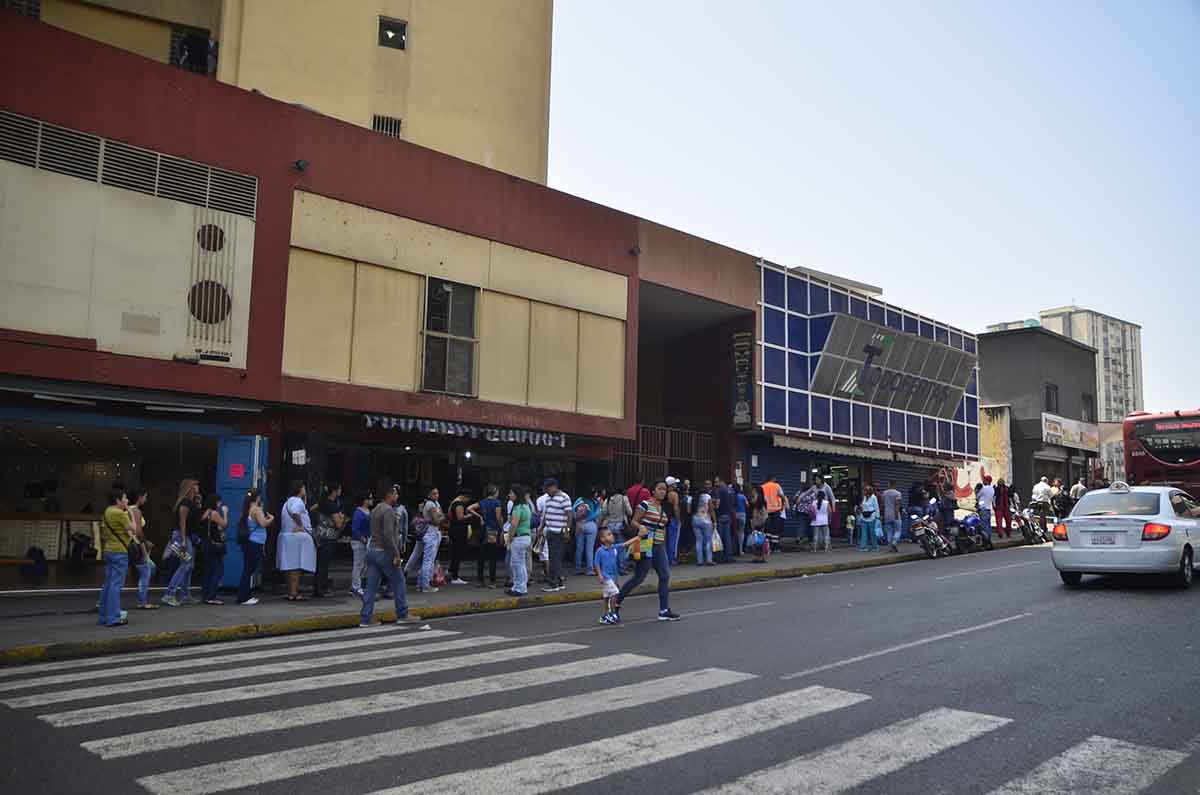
491 539
587 517
213 522
252 537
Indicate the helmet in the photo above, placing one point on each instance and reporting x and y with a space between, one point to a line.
971 522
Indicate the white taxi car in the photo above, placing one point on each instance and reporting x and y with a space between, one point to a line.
1124 529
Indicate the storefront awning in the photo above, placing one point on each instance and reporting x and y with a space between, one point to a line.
72 394
868 453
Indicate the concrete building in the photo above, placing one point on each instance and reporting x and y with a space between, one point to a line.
1047 381
466 78
1118 345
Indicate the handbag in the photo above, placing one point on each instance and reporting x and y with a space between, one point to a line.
717 545
538 545
136 558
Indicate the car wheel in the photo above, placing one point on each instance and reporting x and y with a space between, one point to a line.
1071 578
1183 577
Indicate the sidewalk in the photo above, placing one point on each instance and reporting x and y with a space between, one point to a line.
44 627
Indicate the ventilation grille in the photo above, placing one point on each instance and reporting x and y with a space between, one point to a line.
47 146
388 125
211 294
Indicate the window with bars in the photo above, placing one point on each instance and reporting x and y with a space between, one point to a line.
1089 408
388 125
193 49
29 8
1051 398
450 341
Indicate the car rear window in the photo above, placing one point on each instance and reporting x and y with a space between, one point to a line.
1104 503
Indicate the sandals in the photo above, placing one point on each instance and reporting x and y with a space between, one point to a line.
297 598
147 607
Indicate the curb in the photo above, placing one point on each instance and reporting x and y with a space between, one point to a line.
21 655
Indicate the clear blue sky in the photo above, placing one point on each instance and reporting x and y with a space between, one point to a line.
979 161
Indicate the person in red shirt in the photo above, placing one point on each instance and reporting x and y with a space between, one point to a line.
638 493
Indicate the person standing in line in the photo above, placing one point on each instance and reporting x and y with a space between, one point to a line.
740 515
330 520
702 527
491 539
637 493
384 559
519 539
893 508
772 494
428 525
869 509
675 519
460 533
985 500
587 516
360 536
145 563
182 546
213 522
252 526
1003 510
555 508
617 514
295 550
650 521
116 537
820 522
725 504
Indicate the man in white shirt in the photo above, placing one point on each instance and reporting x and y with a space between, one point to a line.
1041 491
555 509
984 502
1078 490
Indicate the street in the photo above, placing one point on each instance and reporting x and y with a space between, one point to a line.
975 674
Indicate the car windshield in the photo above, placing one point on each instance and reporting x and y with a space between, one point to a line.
1107 503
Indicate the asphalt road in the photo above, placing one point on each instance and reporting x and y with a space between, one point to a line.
977 674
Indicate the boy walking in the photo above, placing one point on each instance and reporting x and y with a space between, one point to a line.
607 569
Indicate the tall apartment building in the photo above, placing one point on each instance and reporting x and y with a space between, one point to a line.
470 79
1118 345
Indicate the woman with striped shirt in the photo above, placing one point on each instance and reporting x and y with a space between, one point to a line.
650 521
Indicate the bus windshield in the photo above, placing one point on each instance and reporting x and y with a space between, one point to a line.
1170 441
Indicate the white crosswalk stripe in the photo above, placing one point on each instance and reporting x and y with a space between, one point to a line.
207 698
892 748
250 656
215 674
569 767
291 763
198 650
363 706
1097 766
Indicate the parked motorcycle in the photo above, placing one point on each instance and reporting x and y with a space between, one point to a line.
971 537
925 533
1031 530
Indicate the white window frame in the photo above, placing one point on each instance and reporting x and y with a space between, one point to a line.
426 333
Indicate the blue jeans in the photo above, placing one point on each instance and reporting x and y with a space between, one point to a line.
424 555
662 567
673 540
703 531
622 552
517 551
180 585
744 532
585 546
723 527
866 535
116 566
985 521
145 572
891 529
214 570
380 565
252 554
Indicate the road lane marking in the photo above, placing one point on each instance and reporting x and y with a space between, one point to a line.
993 568
377 639
182 701
905 646
188 734
294 762
222 675
571 766
1097 766
868 757
635 622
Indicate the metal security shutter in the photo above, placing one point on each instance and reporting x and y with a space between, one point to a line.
788 467
903 474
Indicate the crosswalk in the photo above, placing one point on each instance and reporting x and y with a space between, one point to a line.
223 717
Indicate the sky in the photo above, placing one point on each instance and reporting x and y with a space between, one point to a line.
979 161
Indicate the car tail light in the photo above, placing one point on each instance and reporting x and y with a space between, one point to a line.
1153 531
1060 532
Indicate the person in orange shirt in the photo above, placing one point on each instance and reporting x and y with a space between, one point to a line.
773 494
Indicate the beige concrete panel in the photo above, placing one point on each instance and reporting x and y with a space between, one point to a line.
203 14
389 68
146 37
318 316
601 366
387 326
685 262
553 357
557 281
47 226
503 348
365 235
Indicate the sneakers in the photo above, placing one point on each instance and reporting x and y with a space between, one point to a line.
667 615
457 581
170 601
251 602
430 589
364 625
553 588
610 618
357 592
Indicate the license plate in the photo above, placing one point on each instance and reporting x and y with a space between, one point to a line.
918 532
1104 541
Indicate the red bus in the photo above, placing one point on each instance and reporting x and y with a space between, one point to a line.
1163 449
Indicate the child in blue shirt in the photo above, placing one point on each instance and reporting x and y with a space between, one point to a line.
606 563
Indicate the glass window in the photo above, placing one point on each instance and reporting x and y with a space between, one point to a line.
879 425
896 427
971 413
860 420
858 307
775 407
960 438
910 324
841 417
929 432
944 436
818 299
969 344
914 430
961 411
972 384
797 329
773 292
797 371
926 330
820 414
941 335
1089 407
895 320
449 338
819 332
393 33
972 441
797 295
774 327
798 410
839 302
1051 399
956 340
1107 503
1171 441
774 366
876 314
1184 505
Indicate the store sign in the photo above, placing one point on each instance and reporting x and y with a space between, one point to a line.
467 431
237 471
743 380
1070 433
889 382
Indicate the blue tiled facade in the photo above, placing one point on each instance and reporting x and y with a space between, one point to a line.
797 316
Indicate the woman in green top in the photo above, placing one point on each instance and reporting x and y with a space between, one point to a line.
116 535
519 539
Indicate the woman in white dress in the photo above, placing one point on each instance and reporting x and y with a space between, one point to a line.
295 550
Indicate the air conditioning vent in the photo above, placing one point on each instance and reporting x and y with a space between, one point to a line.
47 146
211 294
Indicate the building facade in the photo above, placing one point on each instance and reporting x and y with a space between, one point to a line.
1118 344
1047 382
466 78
